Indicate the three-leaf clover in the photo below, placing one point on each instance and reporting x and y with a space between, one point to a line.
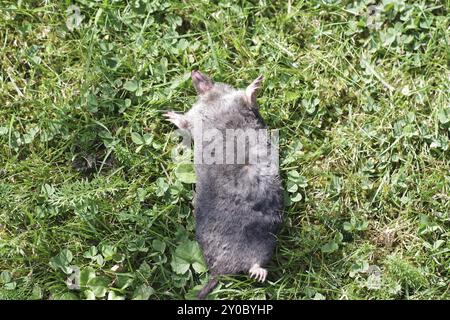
332 245
186 255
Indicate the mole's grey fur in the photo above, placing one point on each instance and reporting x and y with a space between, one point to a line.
237 206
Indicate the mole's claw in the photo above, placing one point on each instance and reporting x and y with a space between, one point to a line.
259 273
177 119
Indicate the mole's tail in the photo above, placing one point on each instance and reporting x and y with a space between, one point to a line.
208 288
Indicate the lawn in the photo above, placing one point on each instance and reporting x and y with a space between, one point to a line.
93 207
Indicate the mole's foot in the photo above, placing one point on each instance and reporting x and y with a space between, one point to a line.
177 119
258 273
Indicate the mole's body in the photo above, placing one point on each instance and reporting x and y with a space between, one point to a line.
238 203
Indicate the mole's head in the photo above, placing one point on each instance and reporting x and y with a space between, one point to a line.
220 95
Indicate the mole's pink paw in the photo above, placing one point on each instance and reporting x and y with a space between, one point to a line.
177 119
258 273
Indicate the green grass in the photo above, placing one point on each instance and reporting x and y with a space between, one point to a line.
87 180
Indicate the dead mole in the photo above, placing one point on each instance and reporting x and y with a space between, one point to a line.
238 202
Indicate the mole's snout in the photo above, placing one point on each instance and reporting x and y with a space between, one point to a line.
198 76
202 83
